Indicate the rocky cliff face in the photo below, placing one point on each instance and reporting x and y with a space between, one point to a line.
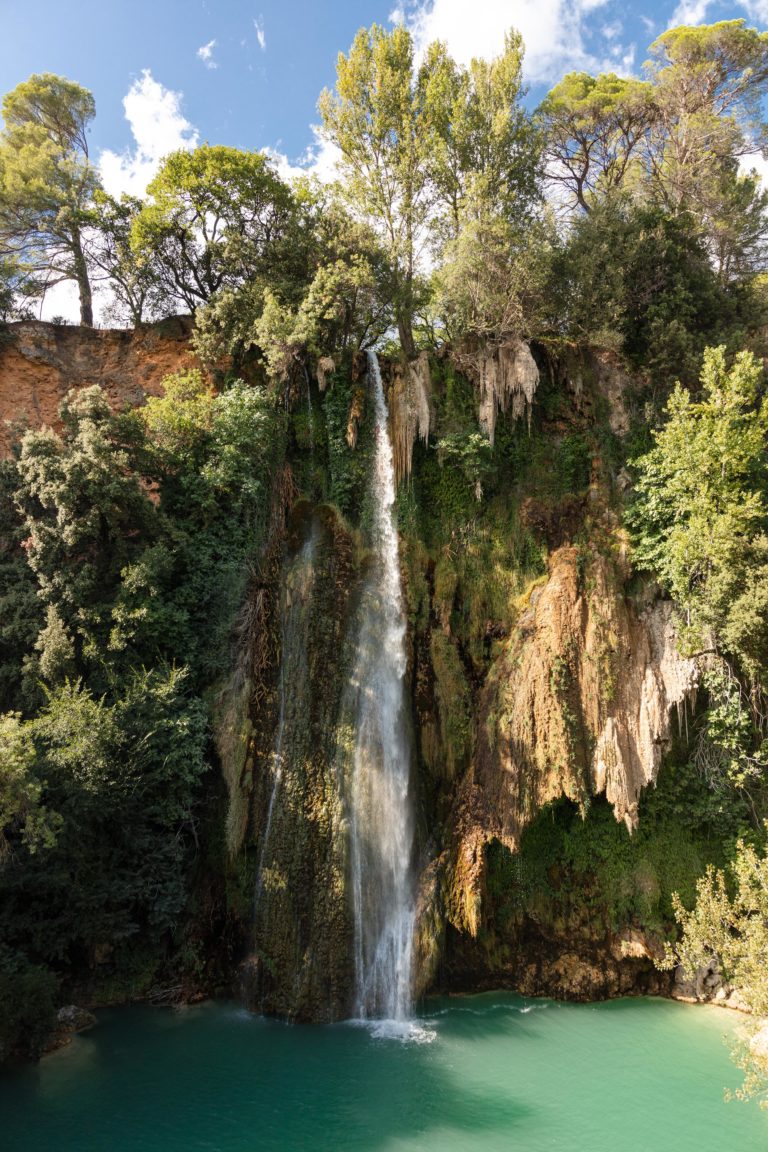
578 704
531 684
40 363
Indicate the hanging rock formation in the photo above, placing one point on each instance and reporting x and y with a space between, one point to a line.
578 704
409 399
506 378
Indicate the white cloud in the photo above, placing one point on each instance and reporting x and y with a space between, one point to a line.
260 34
554 32
697 11
690 12
320 159
206 54
158 127
755 161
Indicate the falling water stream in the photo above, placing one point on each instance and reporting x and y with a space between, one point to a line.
381 823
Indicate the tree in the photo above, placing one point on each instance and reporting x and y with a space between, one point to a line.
133 278
493 278
22 814
699 504
633 277
485 151
47 184
728 924
379 118
708 85
86 515
328 295
699 524
213 221
593 131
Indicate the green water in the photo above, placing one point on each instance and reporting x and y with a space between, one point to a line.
499 1073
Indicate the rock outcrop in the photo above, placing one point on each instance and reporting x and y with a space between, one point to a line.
578 704
506 378
40 363
409 398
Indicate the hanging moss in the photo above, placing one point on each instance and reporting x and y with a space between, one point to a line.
348 463
454 702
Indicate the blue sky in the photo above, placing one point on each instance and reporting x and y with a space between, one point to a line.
249 73
173 73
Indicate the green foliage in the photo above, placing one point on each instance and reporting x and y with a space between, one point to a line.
379 119
86 517
213 220
699 525
485 152
123 779
699 513
642 281
728 924
27 1005
21 813
134 279
472 455
47 184
708 82
593 130
494 277
20 608
347 466
586 870
454 702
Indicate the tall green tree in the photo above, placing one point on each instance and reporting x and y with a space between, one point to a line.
379 118
708 86
47 184
594 129
213 221
87 515
485 152
700 504
328 295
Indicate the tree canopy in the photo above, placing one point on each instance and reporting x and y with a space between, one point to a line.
47 184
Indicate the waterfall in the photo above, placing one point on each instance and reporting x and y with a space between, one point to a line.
381 815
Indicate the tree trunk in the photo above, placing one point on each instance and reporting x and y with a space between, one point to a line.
405 332
83 281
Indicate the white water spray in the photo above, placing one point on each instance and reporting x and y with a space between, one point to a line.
381 810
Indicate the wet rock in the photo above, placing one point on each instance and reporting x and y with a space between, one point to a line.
71 1018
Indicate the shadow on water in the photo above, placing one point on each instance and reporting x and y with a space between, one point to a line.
216 1079
501 1073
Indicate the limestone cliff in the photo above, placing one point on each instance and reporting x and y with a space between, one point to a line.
40 363
534 674
578 704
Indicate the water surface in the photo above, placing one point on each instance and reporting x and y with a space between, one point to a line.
493 1072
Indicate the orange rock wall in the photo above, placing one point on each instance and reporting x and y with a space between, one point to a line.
40 363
